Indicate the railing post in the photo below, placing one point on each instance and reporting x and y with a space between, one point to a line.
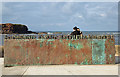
112 37
76 36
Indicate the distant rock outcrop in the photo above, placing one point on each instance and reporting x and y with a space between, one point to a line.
42 33
9 28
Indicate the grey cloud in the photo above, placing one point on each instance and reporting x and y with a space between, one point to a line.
56 14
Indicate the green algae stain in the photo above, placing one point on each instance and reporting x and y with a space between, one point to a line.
76 63
81 63
70 44
98 51
46 43
50 40
51 43
66 55
38 58
85 62
77 46
110 56
41 45
61 41
42 40
54 46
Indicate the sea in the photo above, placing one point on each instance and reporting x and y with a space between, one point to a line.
115 33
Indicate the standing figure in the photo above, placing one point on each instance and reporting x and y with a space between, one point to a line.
79 32
76 31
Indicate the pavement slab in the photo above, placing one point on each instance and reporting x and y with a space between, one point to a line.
62 70
17 70
47 70
94 70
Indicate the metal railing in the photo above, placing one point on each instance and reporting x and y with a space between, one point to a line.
59 37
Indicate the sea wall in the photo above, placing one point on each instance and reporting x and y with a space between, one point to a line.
59 51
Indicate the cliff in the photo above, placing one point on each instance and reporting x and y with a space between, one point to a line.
9 28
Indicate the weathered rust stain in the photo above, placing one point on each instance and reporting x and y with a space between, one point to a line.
110 51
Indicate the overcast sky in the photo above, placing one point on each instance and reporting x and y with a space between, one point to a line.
62 16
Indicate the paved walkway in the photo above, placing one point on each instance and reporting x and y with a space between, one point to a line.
61 70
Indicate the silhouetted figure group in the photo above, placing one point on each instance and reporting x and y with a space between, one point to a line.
76 31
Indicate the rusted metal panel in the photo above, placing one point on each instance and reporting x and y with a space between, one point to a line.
57 51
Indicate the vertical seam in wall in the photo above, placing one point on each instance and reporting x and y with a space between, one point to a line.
105 50
92 49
